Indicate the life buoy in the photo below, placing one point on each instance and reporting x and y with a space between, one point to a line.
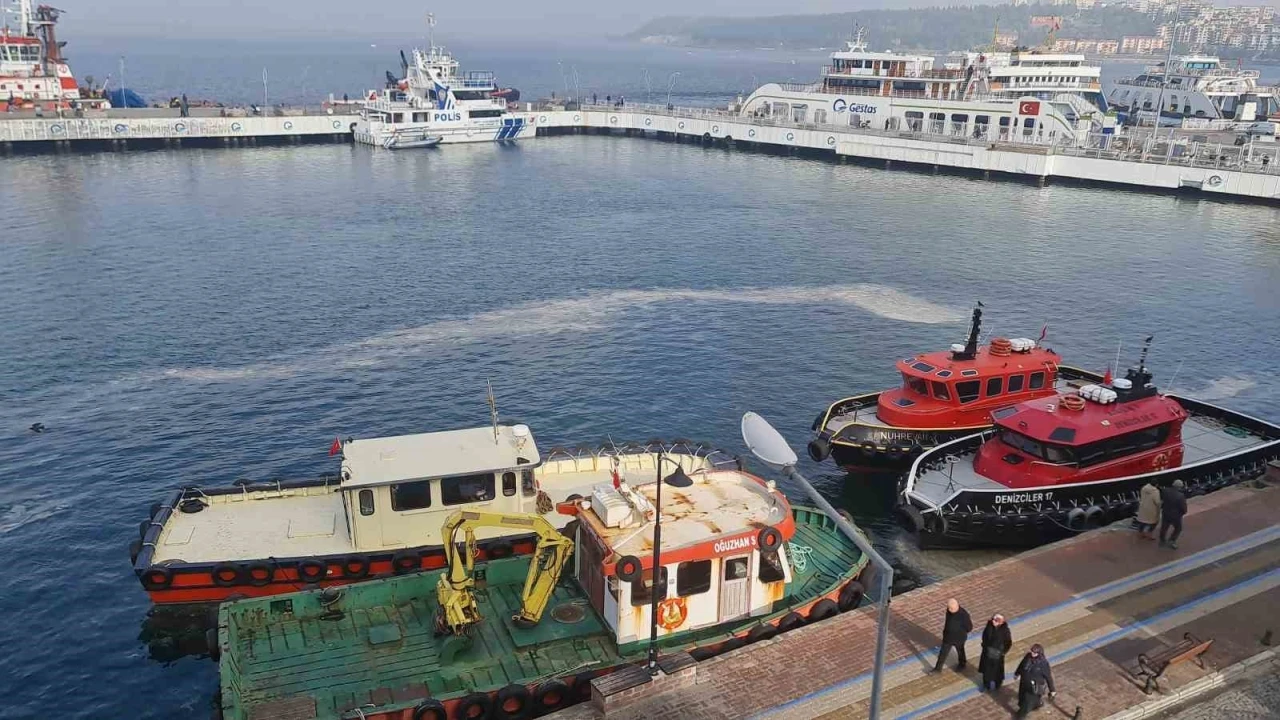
355 567
628 568
823 609
1075 519
227 575
259 574
499 549
761 632
157 577
672 613
513 702
312 570
790 621
430 709
550 696
405 561
473 707
1093 516
850 596
769 539
819 450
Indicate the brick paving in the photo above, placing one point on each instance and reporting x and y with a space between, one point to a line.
824 668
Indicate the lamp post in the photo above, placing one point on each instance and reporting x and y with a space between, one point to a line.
671 81
675 479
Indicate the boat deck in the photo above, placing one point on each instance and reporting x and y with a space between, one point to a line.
283 651
1203 438
296 523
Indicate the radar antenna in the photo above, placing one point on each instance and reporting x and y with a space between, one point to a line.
493 409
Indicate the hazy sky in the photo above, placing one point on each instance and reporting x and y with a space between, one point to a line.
87 19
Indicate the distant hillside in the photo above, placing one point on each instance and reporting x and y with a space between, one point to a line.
936 29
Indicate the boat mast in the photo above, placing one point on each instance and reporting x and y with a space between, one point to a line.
971 346
1168 62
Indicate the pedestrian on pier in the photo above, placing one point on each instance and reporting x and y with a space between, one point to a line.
1173 505
608 99
595 99
184 108
996 642
1148 511
955 630
1034 678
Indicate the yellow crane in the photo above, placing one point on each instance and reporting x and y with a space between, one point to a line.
456 589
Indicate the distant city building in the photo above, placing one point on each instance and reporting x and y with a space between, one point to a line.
1086 4
1005 40
1048 21
1140 44
1108 47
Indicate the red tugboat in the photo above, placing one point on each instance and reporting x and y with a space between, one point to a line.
1057 466
944 396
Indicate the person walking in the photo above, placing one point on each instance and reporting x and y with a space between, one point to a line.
1034 677
955 630
996 642
1148 511
1173 505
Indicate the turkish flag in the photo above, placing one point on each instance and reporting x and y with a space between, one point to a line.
1029 107
336 447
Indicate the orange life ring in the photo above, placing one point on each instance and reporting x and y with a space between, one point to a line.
1160 461
672 613
1072 402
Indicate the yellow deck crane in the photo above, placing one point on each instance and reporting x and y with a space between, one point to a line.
456 590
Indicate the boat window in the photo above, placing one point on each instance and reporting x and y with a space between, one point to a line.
484 113
915 384
798 112
411 496
1004 412
959 122
820 117
946 373
1015 383
736 568
967 373
1037 380
915 120
466 489
903 402
1058 454
937 122
527 485
923 367
770 567
781 109
1063 434
995 386
693 577
967 391
642 589
1021 442
366 502
940 391
508 483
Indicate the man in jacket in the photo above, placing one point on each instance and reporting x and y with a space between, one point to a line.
1173 505
1034 677
955 630
1148 511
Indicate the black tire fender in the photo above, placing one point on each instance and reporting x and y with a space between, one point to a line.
823 609
135 549
259 574
769 539
790 621
935 523
1075 519
430 709
628 568
475 706
550 696
819 449
355 567
405 561
513 702
851 596
582 686
312 570
761 632
157 577
912 516
1093 517
227 575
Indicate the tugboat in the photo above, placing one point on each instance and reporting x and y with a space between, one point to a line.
381 514
1054 467
736 564
944 396
33 72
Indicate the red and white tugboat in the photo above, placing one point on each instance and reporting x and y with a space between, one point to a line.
33 72
1056 466
944 396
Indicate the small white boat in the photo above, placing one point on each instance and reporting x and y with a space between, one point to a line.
406 141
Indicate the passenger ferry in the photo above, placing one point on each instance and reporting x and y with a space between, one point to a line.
1198 86
33 72
436 103
1053 467
738 564
895 91
1064 78
944 396
381 514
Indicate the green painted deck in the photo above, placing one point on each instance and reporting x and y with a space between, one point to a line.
379 647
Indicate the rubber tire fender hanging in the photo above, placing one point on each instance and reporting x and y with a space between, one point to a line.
513 692
360 562
629 568
253 574
823 609
850 596
475 701
405 561
769 539
430 709
157 577
227 575
550 696
312 570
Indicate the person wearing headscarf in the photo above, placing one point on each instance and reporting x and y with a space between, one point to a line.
996 642
1034 678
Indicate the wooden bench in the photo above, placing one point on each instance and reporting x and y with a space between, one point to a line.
1151 667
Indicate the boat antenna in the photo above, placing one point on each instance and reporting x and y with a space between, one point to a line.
431 31
1169 389
493 409
975 328
1119 345
1142 357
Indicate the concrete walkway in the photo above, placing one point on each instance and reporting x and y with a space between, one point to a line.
1094 602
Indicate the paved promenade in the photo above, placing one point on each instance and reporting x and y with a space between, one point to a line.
1094 602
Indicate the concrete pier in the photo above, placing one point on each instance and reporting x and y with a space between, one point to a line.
121 133
1094 602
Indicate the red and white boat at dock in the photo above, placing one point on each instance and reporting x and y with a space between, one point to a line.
33 72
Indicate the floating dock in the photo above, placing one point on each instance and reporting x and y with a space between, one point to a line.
134 131
1095 603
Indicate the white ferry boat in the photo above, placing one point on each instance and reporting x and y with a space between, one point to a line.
436 103
1064 78
1197 86
896 91
33 72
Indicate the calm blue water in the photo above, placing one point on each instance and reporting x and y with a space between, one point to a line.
198 316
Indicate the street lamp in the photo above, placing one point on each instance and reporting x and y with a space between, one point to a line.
675 479
671 81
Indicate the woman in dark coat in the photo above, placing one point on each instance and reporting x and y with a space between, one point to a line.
1034 677
996 641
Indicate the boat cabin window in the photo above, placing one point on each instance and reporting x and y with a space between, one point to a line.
508 483
798 112
923 367
770 567
1123 445
781 109
915 120
411 496
1058 454
366 502
940 391
915 384
1018 441
693 577
959 122
967 391
528 487
736 568
937 121
642 589
1015 383
995 386
466 489
820 117
1037 380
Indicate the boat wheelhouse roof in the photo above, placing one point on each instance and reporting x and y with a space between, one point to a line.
721 513
1047 420
381 461
943 365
